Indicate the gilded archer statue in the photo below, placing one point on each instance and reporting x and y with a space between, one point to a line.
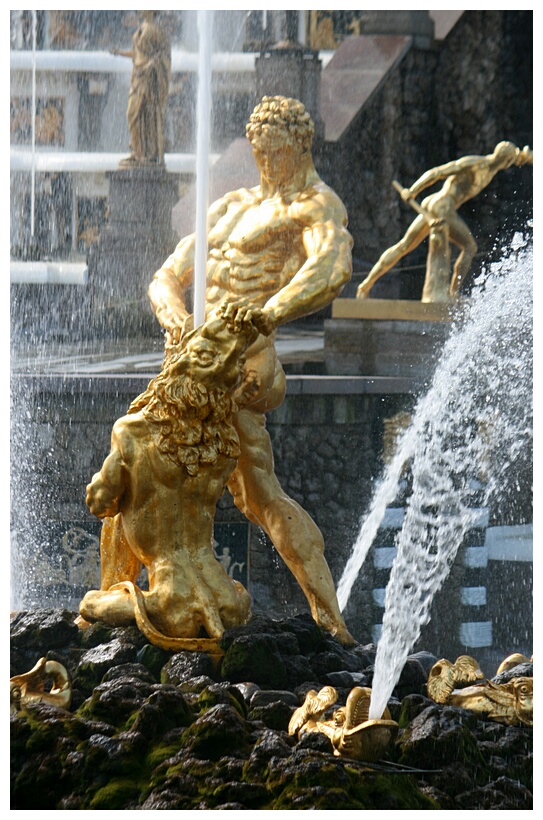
464 179
277 252
148 95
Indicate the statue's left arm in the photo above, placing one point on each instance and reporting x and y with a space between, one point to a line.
328 266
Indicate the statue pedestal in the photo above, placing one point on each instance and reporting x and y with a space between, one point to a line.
135 242
386 337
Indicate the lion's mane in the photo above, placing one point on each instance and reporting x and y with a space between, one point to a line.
190 423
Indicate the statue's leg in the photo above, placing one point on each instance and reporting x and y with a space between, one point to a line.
117 561
112 606
460 234
416 233
296 537
438 264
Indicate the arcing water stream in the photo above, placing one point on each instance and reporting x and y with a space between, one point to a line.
475 418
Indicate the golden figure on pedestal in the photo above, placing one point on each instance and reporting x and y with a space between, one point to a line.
351 733
148 96
511 702
278 251
438 217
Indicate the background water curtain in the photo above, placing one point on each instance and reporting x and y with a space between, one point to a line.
475 421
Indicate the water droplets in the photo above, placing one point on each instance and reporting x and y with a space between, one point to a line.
475 420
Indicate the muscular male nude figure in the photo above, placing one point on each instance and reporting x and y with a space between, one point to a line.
277 252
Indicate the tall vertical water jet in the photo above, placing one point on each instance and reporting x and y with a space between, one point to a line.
205 36
476 419
33 131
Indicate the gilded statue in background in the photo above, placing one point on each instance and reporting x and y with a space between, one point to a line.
170 459
510 703
148 96
438 217
277 252
350 732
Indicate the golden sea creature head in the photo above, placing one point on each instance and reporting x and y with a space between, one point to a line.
525 157
30 687
523 689
511 661
279 121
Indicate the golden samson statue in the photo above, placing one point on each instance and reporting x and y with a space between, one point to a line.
277 252
438 218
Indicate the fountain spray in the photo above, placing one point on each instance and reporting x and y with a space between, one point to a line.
477 411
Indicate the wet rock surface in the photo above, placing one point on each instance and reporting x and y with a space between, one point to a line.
153 730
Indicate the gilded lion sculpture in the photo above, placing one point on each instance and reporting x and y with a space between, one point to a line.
171 457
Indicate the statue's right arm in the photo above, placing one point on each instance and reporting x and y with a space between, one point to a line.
449 169
107 487
168 287
430 177
167 290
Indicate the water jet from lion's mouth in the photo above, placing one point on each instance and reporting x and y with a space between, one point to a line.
477 412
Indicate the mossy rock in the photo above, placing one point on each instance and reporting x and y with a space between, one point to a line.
217 693
274 715
315 798
98 660
186 665
115 795
116 701
307 632
165 709
218 732
255 658
154 658
43 629
440 736
248 795
390 792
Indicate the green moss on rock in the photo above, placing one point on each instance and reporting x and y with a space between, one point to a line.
115 795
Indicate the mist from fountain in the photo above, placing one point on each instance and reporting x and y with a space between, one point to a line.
46 568
475 421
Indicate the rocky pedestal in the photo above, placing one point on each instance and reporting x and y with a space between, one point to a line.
137 239
149 730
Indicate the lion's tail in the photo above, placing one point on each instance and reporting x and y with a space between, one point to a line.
209 645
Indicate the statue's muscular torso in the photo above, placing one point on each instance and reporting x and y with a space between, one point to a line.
256 248
465 183
286 254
